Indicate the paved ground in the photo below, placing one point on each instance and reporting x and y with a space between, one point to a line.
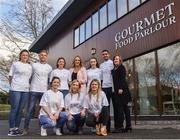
143 130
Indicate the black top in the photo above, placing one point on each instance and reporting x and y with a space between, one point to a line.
119 81
74 76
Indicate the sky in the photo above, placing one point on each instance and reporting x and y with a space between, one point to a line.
6 6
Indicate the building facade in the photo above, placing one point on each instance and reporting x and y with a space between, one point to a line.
146 33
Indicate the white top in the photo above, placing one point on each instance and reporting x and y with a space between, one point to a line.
74 103
41 72
21 74
63 74
106 68
53 100
92 105
93 74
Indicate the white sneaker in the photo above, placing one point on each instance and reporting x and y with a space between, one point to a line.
57 131
43 132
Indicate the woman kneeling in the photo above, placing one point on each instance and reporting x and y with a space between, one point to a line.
52 103
97 104
74 107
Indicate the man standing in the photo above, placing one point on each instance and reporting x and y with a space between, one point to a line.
106 68
39 84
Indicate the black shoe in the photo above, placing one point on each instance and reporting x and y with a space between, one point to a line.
18 132
12 133
118 130
128 129
80 130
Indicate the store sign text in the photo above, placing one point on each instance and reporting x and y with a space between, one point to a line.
158 20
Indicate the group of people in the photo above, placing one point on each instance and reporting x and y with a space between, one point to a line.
73 97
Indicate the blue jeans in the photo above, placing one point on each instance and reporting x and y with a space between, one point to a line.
33 97
76 123
17 102
65 92
46 122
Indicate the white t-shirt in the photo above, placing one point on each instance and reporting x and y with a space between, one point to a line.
21 74
92 105
52 100
106 68
74 103
63 74
41 72
93 74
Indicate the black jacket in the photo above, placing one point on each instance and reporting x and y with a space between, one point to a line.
119 81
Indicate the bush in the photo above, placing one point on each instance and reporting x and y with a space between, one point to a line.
4 107
4 98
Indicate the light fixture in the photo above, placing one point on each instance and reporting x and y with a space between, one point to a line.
93 51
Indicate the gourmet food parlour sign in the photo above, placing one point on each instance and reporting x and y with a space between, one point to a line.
162 18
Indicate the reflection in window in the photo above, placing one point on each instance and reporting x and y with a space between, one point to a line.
169 67
133 4
103 17
82 32
130 80
88 28
146 79
95 22
76 37
122 7
111 11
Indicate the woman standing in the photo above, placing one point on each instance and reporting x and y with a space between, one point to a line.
52 103
93 72
74 107
78 72
97 104
63 74
121 96
19 79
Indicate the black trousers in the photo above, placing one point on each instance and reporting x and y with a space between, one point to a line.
108 92
103 117
121 112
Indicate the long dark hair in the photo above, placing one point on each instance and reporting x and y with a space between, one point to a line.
60 59
97 64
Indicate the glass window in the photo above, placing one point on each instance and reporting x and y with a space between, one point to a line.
88 28
130 80
133 4
169 67
146 80
103 17
76 36
122 7
95 22
111 11
82 32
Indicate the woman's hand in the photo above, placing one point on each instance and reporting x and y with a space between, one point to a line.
120 91
52 117
83 113
56 115
70 117
96 114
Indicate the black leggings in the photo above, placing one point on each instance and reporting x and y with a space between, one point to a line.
103 117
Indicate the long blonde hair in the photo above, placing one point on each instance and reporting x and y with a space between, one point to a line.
98 91
73 63
71 90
